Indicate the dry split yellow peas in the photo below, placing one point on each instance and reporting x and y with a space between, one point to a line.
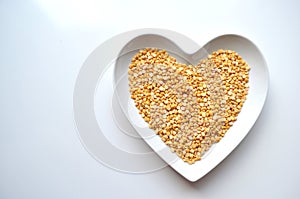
189 107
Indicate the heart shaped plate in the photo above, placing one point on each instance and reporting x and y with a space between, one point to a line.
258 82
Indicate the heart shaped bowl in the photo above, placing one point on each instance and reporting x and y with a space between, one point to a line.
258 82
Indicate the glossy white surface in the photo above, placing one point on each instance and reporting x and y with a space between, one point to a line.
43 45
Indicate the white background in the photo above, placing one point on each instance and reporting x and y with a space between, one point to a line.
42 47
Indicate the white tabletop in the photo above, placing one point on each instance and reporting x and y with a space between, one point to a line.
43 45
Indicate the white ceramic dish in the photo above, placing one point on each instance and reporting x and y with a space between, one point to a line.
252 107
